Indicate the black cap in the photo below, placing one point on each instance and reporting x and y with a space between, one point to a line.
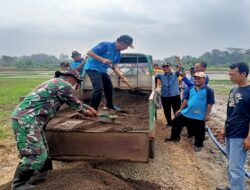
64 64
165 64
75 54
72 73
126 39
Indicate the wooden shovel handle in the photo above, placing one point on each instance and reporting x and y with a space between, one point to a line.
122 77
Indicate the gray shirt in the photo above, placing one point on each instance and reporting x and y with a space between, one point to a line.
169 84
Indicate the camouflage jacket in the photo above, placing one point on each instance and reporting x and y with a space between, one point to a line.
42 103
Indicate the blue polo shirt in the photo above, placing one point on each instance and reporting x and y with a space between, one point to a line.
169 84
106 50
190 82
197 101
75 64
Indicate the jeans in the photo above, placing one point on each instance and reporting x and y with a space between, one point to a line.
237 157
100 82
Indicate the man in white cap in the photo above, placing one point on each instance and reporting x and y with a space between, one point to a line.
194 111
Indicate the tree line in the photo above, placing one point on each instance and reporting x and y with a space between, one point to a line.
216 57
40 60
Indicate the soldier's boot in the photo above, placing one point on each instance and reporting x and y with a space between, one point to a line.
41 175
38 177
20 179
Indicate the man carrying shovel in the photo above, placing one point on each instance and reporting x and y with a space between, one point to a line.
29 119
100 59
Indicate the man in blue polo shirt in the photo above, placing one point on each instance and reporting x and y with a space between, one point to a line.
198 67
101 57
194 111
78 63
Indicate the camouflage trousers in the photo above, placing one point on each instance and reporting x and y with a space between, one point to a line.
31 144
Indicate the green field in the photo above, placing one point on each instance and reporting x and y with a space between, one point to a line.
13 86
10 91
221 86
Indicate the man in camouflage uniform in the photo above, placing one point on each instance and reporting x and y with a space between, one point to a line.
30 117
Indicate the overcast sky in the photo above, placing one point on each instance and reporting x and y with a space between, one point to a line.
159 27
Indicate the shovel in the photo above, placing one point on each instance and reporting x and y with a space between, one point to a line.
137 89
107 118
104 118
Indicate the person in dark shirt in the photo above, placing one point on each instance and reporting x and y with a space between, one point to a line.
236 131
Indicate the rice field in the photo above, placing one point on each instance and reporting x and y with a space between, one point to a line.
14 84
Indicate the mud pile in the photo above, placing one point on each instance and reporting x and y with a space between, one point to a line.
134 115
87 179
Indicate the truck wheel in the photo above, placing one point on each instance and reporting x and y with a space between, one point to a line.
151 149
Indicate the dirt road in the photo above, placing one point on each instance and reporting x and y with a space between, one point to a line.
176 165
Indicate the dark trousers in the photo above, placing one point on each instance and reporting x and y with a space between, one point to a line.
100 82
173 102
198 128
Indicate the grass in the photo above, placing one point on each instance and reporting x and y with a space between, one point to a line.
13 87
217 69
10 91
221 86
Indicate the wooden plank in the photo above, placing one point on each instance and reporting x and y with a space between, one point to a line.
69 125
98 146
98 129
55 121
